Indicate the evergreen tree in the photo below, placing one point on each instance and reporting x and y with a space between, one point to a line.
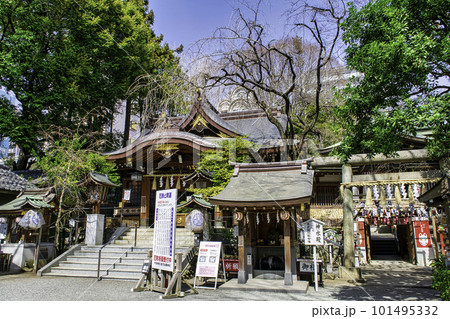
67 59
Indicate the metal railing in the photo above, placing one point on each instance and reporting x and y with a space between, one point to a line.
111 240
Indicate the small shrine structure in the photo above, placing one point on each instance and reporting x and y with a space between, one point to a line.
267 200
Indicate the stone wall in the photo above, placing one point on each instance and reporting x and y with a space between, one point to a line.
332 216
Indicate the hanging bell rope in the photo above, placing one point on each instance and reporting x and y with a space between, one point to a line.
383 201
410 194
369 201
397 195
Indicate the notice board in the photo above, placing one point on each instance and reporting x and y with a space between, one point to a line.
164 232
208 259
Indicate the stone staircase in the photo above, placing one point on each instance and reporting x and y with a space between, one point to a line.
183 237
384 247
119 261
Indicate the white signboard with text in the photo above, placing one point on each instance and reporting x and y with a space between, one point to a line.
164 233
312 232
208 259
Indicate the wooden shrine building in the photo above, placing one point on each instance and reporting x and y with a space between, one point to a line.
268 200
167 156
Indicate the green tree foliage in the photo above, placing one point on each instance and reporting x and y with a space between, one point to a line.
402 50
217 163
64 59
66 165
441 277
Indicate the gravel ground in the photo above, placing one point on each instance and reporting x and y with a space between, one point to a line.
385 281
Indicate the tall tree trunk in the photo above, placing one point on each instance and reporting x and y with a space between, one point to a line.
126 130
22 161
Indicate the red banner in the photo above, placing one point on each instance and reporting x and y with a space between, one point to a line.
422 233
362 235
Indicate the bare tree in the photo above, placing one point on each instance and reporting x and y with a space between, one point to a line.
275 73
168 93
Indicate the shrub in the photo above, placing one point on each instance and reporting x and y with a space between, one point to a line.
441 277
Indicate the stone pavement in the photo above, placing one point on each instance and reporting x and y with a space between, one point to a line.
385 281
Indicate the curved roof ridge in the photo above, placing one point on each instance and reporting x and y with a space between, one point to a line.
162 135
208 112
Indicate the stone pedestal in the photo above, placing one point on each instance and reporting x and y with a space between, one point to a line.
425 256
95 225
242 277
352 273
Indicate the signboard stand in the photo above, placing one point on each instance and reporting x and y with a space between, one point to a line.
163 277
316 284
312 235
208 262
158 273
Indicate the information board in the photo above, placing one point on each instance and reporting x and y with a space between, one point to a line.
164 233
208 259
312 232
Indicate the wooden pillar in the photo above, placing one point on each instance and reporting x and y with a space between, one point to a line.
287 253
96 208
145 201
349 249
242 274
218 217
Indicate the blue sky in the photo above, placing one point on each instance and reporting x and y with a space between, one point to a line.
185 21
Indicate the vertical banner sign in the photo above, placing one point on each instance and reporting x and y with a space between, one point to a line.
208 259
164 233
362 236
422 231
311 233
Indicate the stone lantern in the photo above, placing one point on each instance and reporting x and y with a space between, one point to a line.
98 187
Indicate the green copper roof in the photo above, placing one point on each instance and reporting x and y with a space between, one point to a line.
195 199
102 179
20 202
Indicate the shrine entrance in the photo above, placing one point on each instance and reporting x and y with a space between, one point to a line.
394 238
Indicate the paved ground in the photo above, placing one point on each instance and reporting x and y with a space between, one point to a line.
385 281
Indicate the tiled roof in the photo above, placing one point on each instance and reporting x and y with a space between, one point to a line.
266 186
9 181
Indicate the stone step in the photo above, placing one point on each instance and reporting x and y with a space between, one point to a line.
93 272
116 248
127 259
106 260
150 237
105 277
127 242
111 254
93 265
